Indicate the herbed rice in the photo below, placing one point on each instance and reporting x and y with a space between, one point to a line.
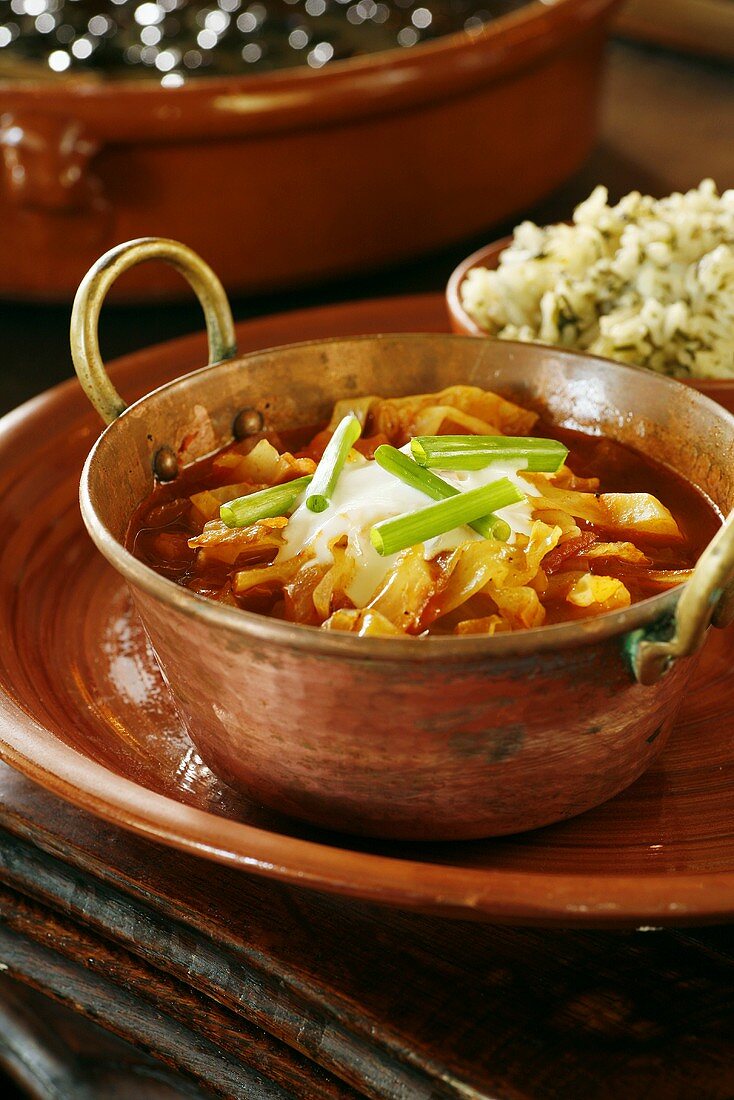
648 281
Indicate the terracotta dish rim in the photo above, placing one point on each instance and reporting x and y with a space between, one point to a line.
267 101
502 894
445 43
453 891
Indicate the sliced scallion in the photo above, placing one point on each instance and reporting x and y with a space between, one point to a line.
277 500
501 529
425 481
392 535
474 452
347 432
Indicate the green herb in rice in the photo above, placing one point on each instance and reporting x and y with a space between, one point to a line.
647 281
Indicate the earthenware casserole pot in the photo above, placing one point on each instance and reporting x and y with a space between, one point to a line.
363 163
439 738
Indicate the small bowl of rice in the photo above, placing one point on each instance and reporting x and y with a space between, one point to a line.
648 282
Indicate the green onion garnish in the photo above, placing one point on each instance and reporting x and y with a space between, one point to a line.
501 529
474 452
392 535
399 465
347 432
278 500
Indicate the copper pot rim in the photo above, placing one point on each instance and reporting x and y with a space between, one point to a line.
463 324
373 83
297 636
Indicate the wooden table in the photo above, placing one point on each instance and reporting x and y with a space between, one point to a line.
249 989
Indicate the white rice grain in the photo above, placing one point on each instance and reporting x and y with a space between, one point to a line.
648 281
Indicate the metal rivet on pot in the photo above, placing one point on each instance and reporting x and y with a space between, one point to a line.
165 464
247 422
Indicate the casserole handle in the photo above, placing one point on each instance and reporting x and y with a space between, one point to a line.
93 290
707 598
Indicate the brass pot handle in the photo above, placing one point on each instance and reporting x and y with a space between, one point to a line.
707 598
93 290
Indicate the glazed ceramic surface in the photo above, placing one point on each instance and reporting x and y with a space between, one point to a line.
85 712
717 389
344 159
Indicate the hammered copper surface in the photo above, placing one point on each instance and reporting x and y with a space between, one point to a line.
446 738
79 676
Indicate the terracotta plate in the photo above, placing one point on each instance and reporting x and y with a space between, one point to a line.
85 713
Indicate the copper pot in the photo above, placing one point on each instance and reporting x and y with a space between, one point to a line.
280 179
718 389
439 738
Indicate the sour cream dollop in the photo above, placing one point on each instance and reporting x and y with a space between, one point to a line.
366 494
